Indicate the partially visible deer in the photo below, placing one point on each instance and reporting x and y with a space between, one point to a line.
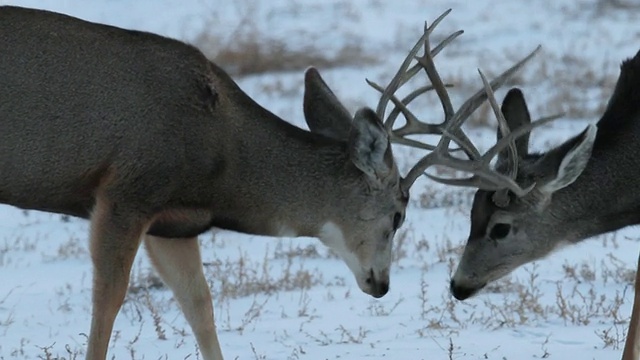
584 187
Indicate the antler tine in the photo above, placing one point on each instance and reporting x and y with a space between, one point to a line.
417 67
402 76
449 124
477 99
478 166
395 83
512 170
501 197
413 125
429 67
515 134
401 107
484 177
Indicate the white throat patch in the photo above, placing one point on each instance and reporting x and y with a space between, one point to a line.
286 231
331 235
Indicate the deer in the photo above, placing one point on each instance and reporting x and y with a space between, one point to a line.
568 194
528 205
154 144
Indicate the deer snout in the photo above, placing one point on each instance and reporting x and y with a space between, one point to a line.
377 287
462 291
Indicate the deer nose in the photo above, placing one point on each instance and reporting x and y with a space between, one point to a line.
378 288
461 292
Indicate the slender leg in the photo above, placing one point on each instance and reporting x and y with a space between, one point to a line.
632 345
115 239
179 264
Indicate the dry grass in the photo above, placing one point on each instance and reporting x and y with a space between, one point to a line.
624 5
250 54
572 85
512 302
564 83
250 51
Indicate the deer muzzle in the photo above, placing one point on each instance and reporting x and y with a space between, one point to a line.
377 287
462 291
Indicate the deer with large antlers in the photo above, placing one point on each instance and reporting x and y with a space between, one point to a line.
528 204
147 138
577 190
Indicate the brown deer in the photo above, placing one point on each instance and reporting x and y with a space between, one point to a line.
530 204
570 193
146 138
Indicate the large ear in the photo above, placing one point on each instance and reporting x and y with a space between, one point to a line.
515 111
369 145
561 166
322 110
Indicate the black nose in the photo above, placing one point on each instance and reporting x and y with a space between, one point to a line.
378 288
462 292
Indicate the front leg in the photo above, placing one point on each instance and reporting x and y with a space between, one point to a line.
179 264
632 345
115 239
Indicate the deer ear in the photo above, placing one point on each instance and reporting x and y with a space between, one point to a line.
369 145
323 112
562 165
515 111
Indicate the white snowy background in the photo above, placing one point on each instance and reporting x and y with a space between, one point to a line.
291 298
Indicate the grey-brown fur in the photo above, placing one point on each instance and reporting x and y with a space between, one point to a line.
142 134
595 193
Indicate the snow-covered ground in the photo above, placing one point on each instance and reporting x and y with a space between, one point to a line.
290 298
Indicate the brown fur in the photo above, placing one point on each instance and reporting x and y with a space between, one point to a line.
584 187
632 344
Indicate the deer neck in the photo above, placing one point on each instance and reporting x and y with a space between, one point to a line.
606 196
281 181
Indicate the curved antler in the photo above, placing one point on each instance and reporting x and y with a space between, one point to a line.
450 128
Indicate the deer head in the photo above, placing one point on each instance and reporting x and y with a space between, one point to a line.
363 236
509 229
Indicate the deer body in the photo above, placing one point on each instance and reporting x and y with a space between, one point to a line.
178 111
145 137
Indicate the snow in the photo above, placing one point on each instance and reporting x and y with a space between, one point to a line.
290 298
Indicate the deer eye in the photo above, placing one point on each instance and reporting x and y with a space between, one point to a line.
499 231
396 220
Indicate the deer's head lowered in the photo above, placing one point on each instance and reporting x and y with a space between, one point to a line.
509 229
373 203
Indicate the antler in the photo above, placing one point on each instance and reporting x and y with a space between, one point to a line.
450 128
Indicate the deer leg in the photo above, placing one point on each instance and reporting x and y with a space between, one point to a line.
179 264
632 344
115 239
